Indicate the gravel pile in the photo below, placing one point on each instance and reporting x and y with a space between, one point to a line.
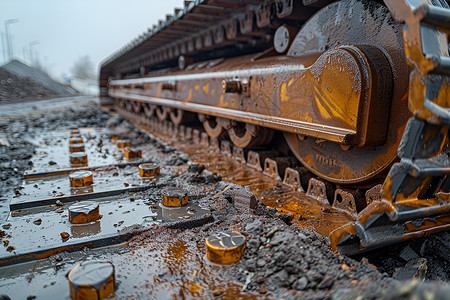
290 262
19 82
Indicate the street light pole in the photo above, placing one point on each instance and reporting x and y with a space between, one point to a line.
33 43
2 35
8 37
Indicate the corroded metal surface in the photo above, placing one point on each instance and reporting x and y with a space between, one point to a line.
341 93
346 92
414 196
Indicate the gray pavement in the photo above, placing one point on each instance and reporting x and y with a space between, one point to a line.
23 108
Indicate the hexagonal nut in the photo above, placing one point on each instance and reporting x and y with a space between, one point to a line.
64 235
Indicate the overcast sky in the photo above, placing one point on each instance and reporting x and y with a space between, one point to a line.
68 30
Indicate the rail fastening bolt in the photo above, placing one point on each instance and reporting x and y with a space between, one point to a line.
148 170
81 178
225 247
133 152
174 197
76 148
75 140
84 212
122 144
92 280
78 158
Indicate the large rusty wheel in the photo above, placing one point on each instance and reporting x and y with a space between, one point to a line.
179 116
120 103
212 126
162 113
149 109
351 22
136 107
129 107
245 135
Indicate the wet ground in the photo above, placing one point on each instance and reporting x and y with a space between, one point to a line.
161 252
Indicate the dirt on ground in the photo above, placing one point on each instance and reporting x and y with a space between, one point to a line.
280 261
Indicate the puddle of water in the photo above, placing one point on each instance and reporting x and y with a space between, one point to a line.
106 179
161 263
53 152
170 266
307 212
118 215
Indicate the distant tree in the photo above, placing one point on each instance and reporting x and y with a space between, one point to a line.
83 67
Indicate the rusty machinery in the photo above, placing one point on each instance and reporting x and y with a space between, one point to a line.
359 90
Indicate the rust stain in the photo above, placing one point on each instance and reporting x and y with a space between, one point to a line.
47 253
205 88
222 103
189 97
283 93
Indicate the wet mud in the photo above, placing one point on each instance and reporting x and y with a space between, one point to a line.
165 254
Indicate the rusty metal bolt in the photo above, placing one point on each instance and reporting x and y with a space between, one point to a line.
123 144
75 140
84 212
148 170
76 148
174 197
133 152
81 178
225 247
92 280
74 131
181 62
78 158
231 86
